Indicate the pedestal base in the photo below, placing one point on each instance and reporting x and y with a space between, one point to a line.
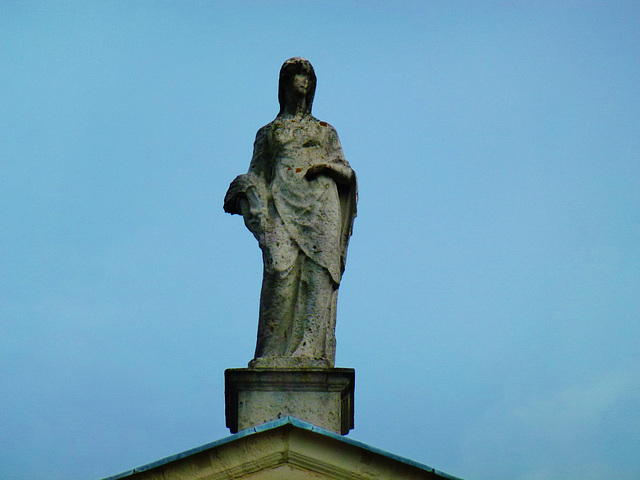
320 396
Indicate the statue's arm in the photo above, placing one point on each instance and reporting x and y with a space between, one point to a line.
247 194
260 166
341 174
236 193
336 167
239 188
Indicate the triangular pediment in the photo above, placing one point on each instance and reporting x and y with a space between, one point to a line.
285 449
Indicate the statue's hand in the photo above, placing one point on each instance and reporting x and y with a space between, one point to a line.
235 192
339 174
315 170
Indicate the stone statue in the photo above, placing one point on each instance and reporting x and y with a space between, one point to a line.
299 201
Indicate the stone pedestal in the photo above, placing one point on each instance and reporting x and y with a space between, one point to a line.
320 396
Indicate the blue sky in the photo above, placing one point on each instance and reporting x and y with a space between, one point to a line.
491 302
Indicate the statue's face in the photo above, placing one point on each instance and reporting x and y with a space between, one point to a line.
301 84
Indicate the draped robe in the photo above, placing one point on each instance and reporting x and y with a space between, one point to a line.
303 225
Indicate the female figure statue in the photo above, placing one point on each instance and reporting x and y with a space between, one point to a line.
299 201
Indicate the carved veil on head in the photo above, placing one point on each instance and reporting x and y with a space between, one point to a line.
290 69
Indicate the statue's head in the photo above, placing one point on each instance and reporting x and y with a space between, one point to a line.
290 69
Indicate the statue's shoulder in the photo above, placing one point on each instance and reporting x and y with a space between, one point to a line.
264 134
265 129
321 123
327 128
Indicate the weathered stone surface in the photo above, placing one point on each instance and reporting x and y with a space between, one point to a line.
299 201
322 397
